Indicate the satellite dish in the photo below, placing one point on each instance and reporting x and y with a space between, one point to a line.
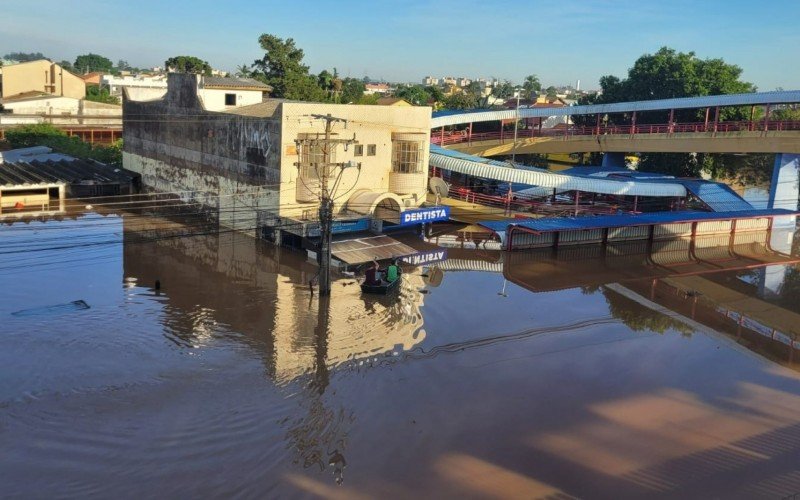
436 185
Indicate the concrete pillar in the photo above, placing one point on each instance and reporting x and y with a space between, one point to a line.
783 191
613 160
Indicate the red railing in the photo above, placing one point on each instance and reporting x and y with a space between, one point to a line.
462 136
542 205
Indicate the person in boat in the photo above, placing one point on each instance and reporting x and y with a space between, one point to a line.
392 272
372 275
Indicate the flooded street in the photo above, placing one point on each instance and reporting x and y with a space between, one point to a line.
199 364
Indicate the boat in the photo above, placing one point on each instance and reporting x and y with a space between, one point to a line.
382 288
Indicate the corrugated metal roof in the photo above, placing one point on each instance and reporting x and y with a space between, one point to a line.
490 169
718 197
231 82
61 172
443 118
551 224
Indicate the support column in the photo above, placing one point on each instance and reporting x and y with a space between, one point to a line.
671 120
783 190
716 119
633 123
613 160
705 126
766 118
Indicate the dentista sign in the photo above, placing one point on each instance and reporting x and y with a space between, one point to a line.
424 215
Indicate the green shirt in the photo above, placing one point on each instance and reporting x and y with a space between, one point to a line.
391 273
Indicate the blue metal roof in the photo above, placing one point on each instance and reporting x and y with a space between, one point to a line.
551 224
718 197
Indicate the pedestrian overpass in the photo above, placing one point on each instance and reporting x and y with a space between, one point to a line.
456 148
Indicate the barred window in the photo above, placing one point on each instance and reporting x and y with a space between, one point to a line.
407 157
371 149
359 150
312 157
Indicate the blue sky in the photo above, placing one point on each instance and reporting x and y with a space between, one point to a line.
560 41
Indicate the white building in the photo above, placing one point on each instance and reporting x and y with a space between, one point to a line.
36 107
220 93
115 84
430 80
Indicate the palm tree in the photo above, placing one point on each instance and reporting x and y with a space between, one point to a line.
532 86
244 71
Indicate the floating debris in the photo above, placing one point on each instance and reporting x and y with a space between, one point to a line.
75 305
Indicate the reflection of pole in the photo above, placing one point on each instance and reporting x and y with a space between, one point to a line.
321 375
502 292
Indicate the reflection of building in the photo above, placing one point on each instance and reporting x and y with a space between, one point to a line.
258 166
261 292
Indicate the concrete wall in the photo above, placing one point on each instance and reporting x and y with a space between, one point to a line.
214 99
61 111
41 76
223 161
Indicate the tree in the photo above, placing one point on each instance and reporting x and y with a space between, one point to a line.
66 65
504 90
414 94
282 68
188 64
45 134
475 89
531 86
435 92
352 90
123 65
24 56
669 74
460 101
552 93
96 94
92 62
244 71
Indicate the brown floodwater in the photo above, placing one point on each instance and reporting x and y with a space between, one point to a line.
150 357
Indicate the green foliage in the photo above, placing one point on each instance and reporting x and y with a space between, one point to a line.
414 94
96 94
282 68
244 71
353 91
639 318
371 99
44 134
188 64
475 89
24 56
92 62
669 74
460 100
746 170
532 86
551 93
123 65
504 90
66 65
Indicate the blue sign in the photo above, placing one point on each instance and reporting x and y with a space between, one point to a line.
423 258
432 214
341 226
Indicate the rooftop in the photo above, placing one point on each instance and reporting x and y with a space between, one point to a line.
226 82
68 171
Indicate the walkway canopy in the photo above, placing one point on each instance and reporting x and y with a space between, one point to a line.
455 161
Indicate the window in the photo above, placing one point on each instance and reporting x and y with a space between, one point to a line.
406 157
230 99
312 156
371 149
359 150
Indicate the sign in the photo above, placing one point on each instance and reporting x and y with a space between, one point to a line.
432 214
423 258
341 226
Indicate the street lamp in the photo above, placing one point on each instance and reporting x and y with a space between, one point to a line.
517 93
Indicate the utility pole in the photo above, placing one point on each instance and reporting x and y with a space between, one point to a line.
326 195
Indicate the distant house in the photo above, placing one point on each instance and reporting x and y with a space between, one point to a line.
392 101
40 76
219 93
376 88
92 78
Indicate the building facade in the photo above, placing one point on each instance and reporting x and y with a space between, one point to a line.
256 168
40 76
